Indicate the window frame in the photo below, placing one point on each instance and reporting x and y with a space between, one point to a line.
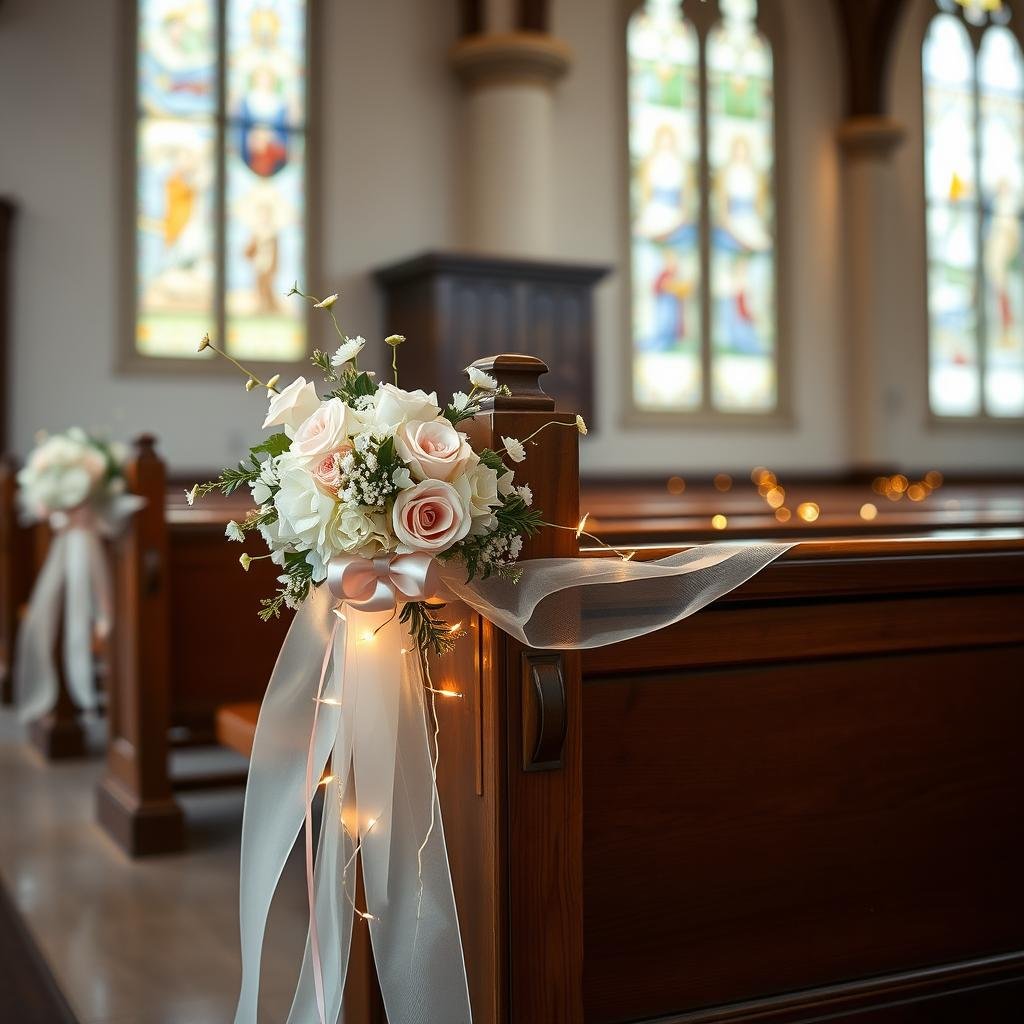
983 421
704 17
128 360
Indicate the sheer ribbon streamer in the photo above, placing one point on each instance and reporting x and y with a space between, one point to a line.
74 579
348 687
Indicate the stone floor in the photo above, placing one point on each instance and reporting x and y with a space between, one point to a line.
153 941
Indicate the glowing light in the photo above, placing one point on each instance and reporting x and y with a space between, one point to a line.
455 628
582 525
719 522
371 823
757 473
676 485
868 511
899 483
783 515
405 650
933 478
915 492
880 484
628 556
445 693
776 497
331 702
723 482
808 511
325 780
366 636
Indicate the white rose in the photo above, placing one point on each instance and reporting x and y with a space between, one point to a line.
296 403
394 406
505 484
325 431
354 530
432 516
482 497
304 511
434 450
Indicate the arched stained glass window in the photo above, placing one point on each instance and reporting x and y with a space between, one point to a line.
703 218
974 183
220 173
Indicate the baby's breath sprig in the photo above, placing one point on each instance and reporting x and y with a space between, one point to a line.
252 381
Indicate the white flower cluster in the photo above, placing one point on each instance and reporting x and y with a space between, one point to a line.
69 470
385 472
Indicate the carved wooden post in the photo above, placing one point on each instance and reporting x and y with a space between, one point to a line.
543 813
510 767
135 802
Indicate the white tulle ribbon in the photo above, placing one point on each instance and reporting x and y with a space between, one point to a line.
348 686
75 581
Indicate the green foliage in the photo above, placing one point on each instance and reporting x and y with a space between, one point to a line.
515 516
276 444
430 631
492 460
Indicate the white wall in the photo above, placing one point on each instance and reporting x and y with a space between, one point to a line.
389 178
390 167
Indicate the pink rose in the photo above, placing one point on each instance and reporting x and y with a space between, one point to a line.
434 450
327 472
431 516
324 432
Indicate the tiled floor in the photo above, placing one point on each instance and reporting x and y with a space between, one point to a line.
153 941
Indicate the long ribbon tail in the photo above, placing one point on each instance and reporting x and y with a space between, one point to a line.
413 922
334 877
275 794
35 674
80 588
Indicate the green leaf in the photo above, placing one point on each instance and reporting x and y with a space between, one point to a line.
276 444
492 460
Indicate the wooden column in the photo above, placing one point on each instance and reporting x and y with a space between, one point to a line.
136 804
511 792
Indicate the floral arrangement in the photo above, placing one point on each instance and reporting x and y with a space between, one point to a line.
68 471
366 468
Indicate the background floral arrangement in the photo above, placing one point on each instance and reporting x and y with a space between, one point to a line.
372 470
68 471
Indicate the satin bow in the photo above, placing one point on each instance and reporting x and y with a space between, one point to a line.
374 584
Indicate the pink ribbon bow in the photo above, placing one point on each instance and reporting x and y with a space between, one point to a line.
374 584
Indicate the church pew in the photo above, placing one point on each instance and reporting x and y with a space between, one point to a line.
802 803
187 639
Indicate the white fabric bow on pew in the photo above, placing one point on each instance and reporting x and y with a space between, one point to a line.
74 578
349 686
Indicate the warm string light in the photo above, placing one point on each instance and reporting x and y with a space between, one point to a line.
444 693
868 511
719 522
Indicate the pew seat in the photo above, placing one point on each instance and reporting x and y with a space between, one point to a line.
236 726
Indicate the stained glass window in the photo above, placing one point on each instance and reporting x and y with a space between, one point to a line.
220 177
702 217
974 183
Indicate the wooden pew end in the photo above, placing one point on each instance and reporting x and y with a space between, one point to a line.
236 726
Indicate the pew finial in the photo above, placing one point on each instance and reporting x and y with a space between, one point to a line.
521 375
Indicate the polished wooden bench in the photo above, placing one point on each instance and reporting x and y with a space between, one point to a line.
800 804
236 725
187 640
